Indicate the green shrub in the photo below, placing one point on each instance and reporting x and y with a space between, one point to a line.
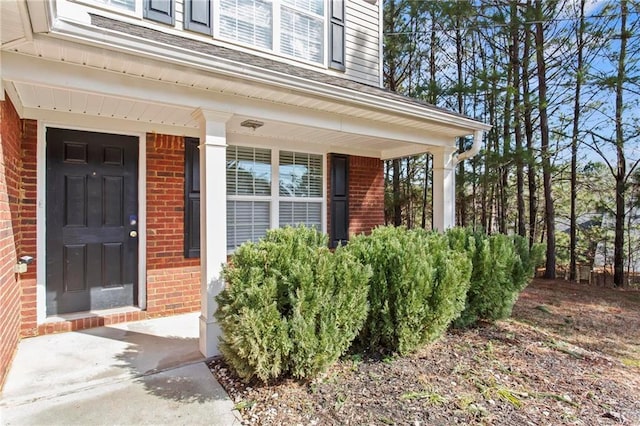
418 286
502 267
290 306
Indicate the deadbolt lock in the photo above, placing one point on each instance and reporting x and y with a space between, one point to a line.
133 234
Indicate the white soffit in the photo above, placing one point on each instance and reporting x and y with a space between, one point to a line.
53 99
56 104
64 100
95 58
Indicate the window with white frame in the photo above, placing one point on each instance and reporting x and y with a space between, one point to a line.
248 194
302 29
306 30
265 189
129 5
247 21
251 192
289 27
300 189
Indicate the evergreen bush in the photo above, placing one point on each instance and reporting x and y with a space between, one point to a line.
290 305
418 286
502 267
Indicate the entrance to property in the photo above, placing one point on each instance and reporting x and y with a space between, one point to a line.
91 220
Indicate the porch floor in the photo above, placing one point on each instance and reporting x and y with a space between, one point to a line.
145 372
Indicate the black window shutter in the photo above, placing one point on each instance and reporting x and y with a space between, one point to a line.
198 16
159 11
336 36
191 198
339 233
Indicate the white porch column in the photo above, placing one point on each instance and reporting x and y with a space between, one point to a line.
444 188
213 221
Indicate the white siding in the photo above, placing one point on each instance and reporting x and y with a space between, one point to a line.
179 5
362 41
362 38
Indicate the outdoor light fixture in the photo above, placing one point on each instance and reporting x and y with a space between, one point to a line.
252 124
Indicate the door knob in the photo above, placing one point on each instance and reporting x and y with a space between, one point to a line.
133 234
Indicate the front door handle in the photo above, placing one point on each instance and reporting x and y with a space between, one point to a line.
133 234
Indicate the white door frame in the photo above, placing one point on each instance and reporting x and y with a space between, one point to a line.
41 209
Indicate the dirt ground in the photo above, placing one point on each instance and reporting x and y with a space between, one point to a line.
570 355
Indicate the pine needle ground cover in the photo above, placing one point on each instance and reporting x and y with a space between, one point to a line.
291 307
569 355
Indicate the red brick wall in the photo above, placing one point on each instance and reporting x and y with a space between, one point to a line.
366 194
173 282
28 195
9 234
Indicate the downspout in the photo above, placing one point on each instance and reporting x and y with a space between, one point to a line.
475 148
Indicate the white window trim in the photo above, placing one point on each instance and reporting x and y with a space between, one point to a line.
275 188
135 13
275 198
275 50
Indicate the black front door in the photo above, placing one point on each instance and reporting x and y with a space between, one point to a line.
92 221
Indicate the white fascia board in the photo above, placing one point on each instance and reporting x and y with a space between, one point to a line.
407 150
41 13
115 40
15 98
301 146
26 20
28 69
360 152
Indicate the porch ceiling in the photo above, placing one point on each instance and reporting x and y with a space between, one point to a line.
51 78
49 103
235 82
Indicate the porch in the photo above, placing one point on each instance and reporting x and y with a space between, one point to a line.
147 372
161 116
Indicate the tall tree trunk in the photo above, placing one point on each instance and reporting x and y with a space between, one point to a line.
506 156
460 179
573 226
432 95
425 191
387 166
408 194
528 131
397 206
485 210
550 272
618 257
474 164
517 120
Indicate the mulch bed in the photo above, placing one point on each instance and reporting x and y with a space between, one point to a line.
570 355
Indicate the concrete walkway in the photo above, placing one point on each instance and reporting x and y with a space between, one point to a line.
146 372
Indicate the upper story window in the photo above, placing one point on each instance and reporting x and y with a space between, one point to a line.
129 5
307 30
302 29
289 27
